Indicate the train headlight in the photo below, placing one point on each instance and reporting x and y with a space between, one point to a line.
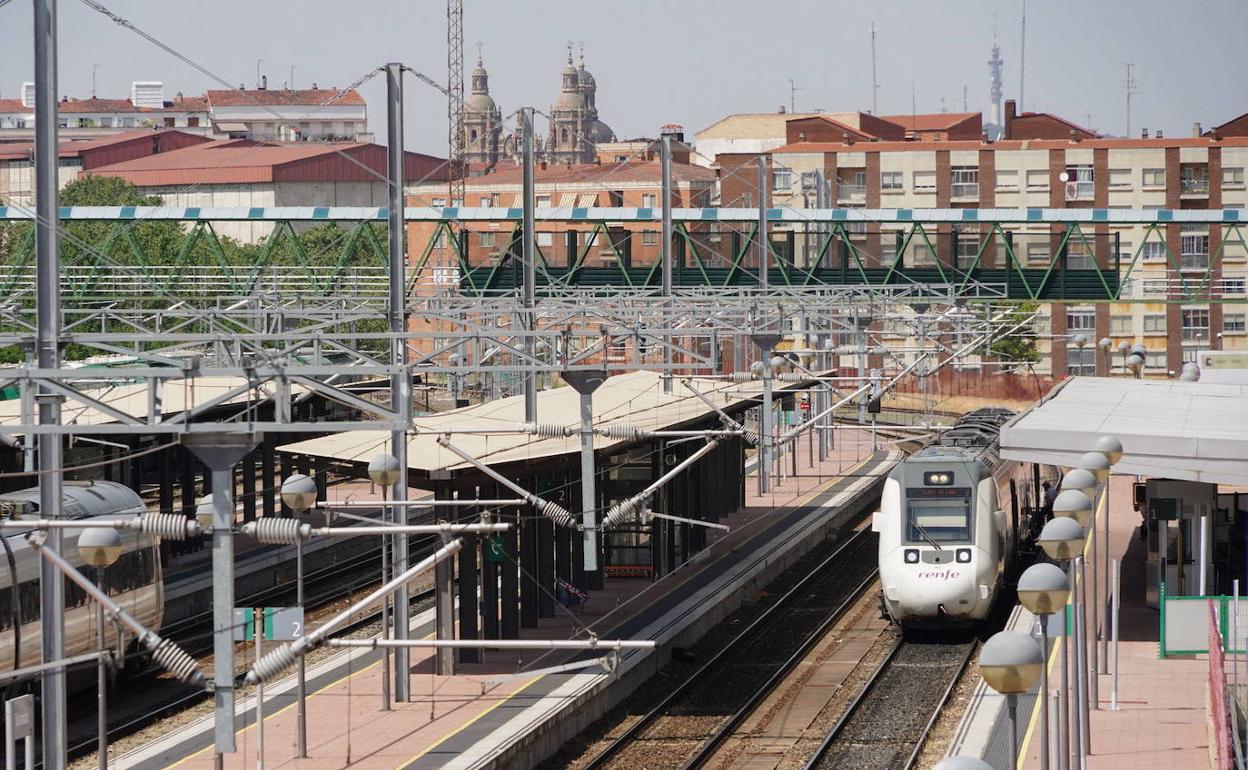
963 555
938 478
911 555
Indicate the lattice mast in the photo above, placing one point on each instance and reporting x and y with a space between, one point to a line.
455 100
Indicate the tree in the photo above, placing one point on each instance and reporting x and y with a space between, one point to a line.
1018 346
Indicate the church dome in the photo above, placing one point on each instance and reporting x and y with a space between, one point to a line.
601 132
587 80
480 102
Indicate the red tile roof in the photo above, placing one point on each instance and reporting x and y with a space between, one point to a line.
242 161
1011 144
74 149
308 97
1059 119
593 173
14 105
935 121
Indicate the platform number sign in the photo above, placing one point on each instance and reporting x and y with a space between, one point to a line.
495 549
280 623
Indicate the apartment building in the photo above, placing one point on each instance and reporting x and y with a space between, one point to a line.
1074 172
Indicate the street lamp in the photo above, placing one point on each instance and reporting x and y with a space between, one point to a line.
1106 345
384 470
1062 539
101 548
1010 662
1191 372
1073 503
1135 363
1110 448
299 494
1043 588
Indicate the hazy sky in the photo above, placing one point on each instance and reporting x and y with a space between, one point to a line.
690 63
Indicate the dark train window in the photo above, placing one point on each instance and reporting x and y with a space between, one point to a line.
6 608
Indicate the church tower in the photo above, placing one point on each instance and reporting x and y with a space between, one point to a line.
575 129
483 122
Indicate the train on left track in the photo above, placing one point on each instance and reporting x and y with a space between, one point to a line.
953 518
135 581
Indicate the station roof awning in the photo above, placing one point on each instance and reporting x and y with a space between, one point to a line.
1179 430
636 398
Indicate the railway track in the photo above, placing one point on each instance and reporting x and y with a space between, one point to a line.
885 726
688 725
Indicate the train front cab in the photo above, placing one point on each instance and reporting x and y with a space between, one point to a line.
942 542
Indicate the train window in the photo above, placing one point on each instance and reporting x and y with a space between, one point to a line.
28 593
6 608
945 520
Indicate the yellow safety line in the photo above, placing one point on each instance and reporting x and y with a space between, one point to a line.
1057 645
467 724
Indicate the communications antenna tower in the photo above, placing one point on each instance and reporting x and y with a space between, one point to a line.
455 101
1129 86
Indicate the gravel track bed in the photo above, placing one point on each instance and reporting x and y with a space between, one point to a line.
675 734
890 720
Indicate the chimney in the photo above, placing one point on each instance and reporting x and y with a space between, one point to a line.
264 82
314 88
1196 129
1074 136
1143 133
848 138
541 166
1011 110
781 110
1158 135
801 136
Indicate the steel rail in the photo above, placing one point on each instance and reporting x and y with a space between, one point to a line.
767 617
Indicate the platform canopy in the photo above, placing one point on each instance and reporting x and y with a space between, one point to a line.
636 399
1179 430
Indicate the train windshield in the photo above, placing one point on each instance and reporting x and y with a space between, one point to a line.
942 521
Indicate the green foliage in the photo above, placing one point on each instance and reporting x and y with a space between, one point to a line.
1020 345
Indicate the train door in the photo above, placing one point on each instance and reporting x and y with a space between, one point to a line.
1014 533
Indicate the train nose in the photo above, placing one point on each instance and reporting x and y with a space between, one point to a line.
942 594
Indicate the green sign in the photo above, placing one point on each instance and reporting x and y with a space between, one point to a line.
280 623
495 549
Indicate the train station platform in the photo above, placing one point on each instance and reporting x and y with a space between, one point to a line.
1161 720
495 713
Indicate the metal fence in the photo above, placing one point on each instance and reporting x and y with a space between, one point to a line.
197 281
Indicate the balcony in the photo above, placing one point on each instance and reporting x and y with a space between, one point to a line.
1194 262
1194 187
964 190
849 192
1078 191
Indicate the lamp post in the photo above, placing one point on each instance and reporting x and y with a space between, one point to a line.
1043 588
1111 449
1061 538
1190 373
1097 464
1106 346
383 470
1010 662
299 494
1124 348
101 548
1073 503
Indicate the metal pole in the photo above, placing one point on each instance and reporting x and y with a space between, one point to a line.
1091 639
258 633
1011 700
585 383
1204 553
301 707
1113 670
400 384
763 257
529 255
1235 636
1081 627
385 607
1044 689
765 344
101 681
1054 705
1102 665
48 355
665 164
442 576
1063 722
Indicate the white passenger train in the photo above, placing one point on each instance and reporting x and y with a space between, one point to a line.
951 520
134 581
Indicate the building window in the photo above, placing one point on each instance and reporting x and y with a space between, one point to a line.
1080 321
487 240
747 200
438 203
925 181
1007 180
810 181
545 239
1081 363
1233 285
486 201
1079 183
192 122
964 182
1079 255
781 178
1233 323
1155 323
1154 177
1037 253
1124 251
1194 179
1195 325
968 250
543 201
472 135
563 134
1120 179
1037 180
1194 251
649 200
1120 325
439 239
851 184
1233 177
649 237
891 180
1153 251
923 256
1154 359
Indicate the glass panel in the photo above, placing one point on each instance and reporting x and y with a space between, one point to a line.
944 521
